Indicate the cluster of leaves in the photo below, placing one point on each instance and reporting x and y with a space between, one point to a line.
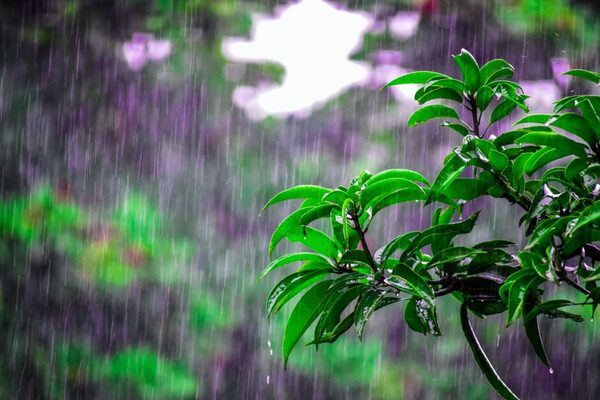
548 165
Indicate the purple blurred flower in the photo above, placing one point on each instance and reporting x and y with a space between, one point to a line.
142 48
159 49
404 24
387 57
135 55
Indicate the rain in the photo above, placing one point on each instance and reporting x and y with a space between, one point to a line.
141 139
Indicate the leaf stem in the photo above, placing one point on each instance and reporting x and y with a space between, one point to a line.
564 278
473 109
363 241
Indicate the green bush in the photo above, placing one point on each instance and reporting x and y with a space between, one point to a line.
547 164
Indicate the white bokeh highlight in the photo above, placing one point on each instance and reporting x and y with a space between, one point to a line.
313 41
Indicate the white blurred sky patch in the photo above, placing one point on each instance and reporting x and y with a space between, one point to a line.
543 94
313 41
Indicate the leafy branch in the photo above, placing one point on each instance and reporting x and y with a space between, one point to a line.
548 164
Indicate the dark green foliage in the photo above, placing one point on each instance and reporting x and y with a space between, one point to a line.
548 165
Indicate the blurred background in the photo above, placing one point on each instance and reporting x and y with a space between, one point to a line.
139 140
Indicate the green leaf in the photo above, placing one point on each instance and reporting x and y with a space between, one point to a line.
543 233
348 203
442 232
364 309
417 77
315 240
504 290
439 93
502 110
427 113
554 140
467 188
355 257
291 258
290 224
510 137
314 265
493 244
490 259
335 197
577 125
547 307
449 172
452 255
566 102
589 215
484 97
544 269
590 114
290 286
484 363
408 281
421 317
498 160
533 334
469 69
291 229
397 174
584 74
399 243
386 187
304 314
447 82
542 158
534 119
337 224
399 196
460 128
315 213
517 294
330 337
496 69
575 168
297 192
595 297
336 332
578 239
340 296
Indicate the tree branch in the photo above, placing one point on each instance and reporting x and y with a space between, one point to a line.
363 241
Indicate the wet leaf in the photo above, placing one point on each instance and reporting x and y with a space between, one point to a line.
291 258
290 286
297 192
417 77
427 113
469 69
421 317
364 309
480 357
407 280
304 314
584 74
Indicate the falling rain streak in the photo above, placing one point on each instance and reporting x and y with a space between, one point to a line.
141 139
